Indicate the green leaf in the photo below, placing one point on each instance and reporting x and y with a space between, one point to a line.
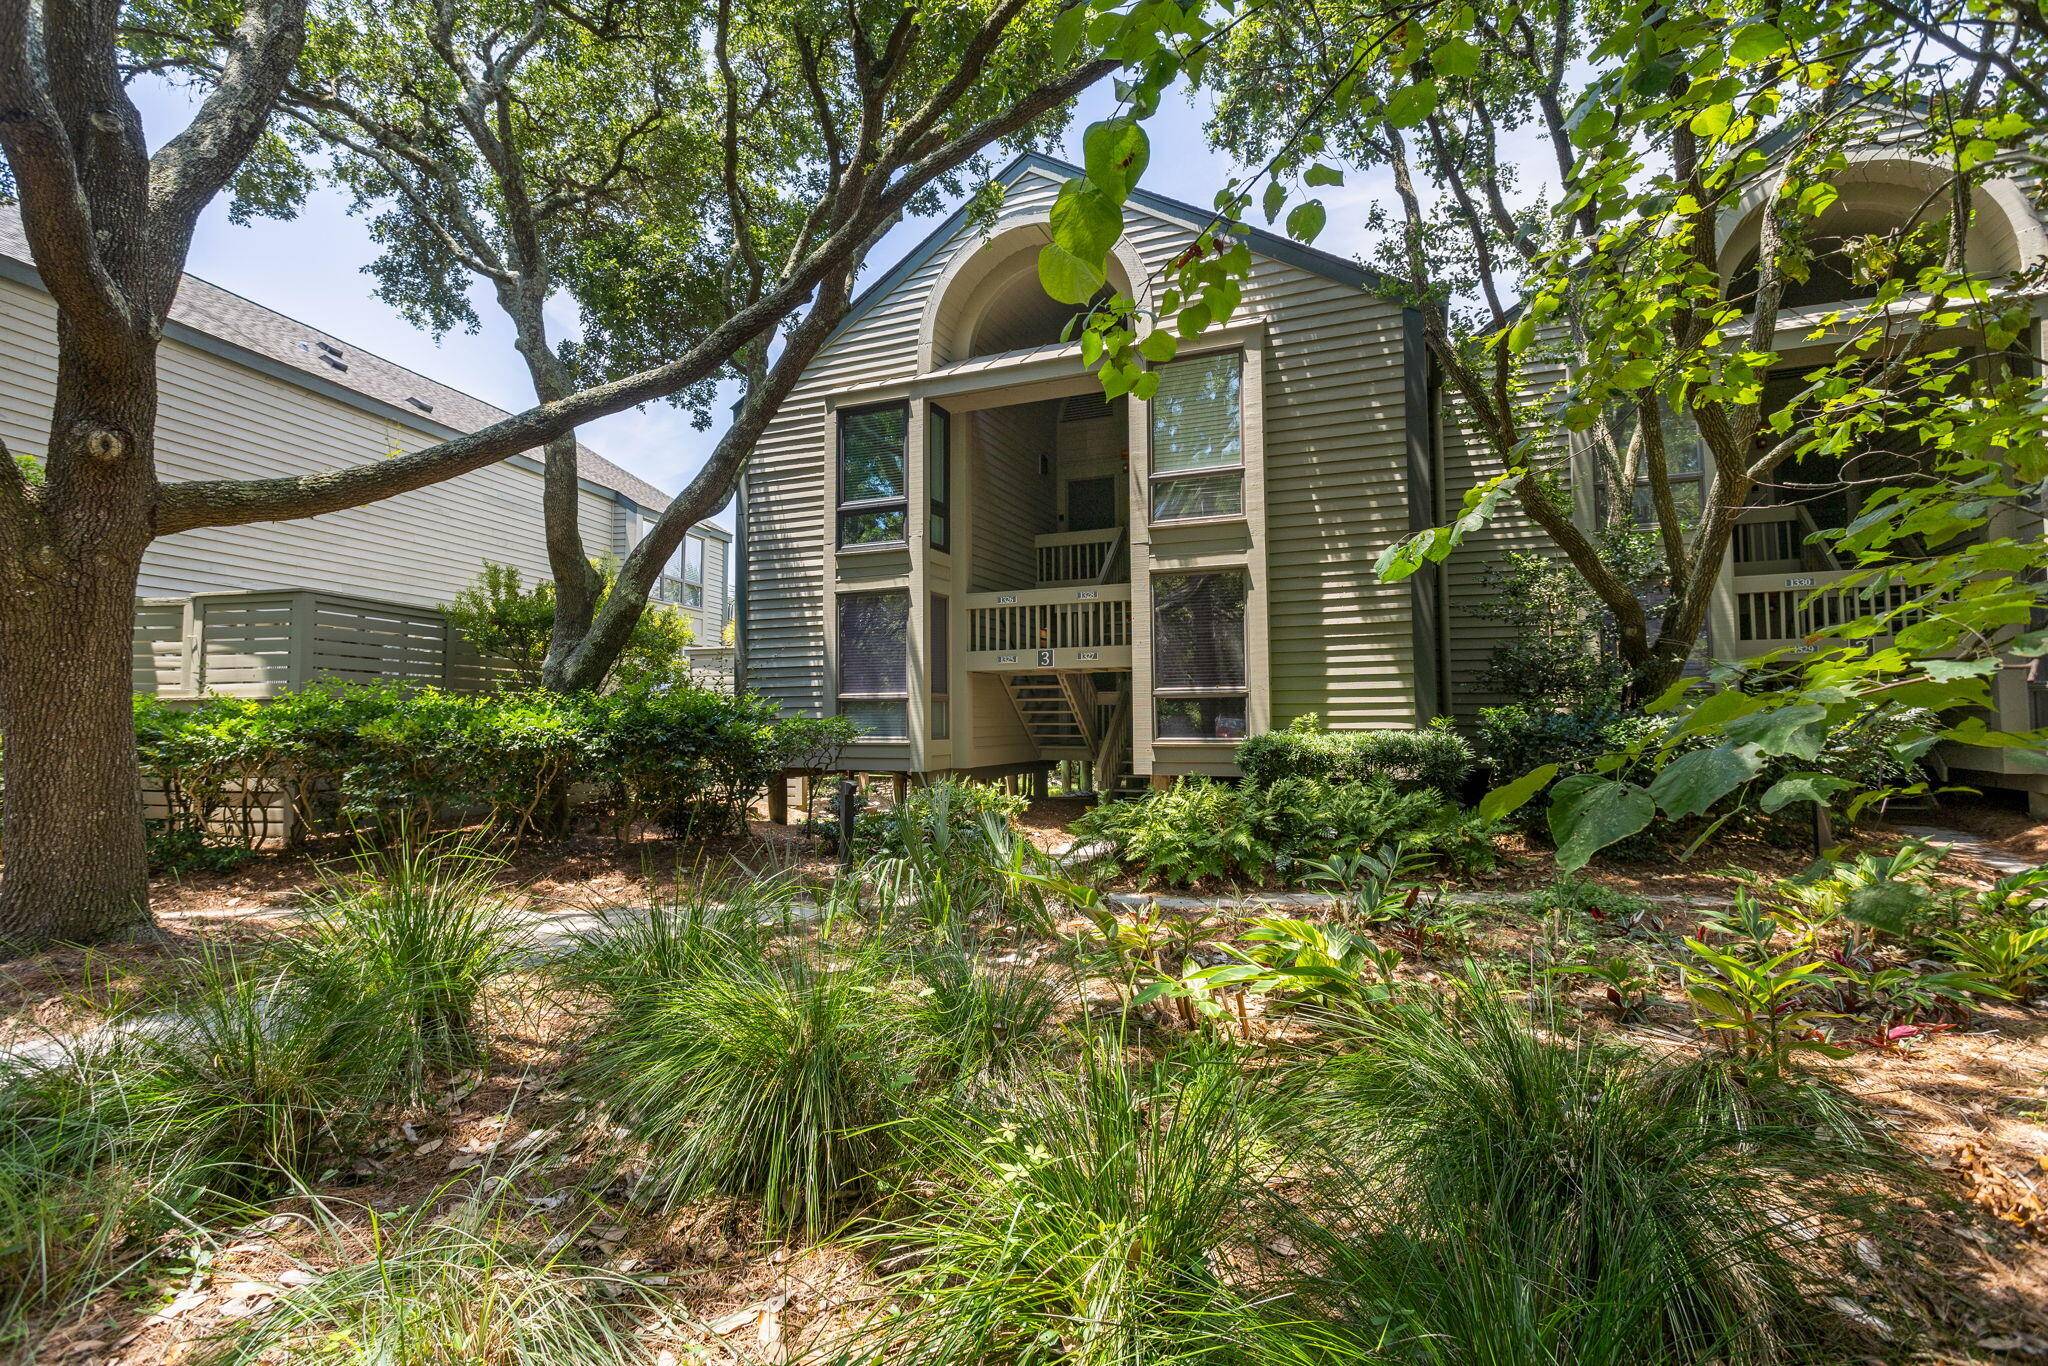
1455 57
1887 905
1114 153
1756 42
1066 277
1275 200
1713 121
1950 670
1802 787
1589 812
1592 128
1795 731
1504 801
1636 373
1305 220
1319 174
1159 346
1067 31
1693 782
1193 320
1411 104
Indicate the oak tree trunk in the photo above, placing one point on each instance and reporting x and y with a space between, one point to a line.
75 870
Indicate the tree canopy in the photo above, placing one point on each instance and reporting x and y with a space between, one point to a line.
1571 330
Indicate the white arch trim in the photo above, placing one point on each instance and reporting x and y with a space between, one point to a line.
2001 206
973 261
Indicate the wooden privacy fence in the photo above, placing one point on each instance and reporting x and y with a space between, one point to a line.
261 644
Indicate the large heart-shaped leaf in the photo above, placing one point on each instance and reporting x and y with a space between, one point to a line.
1589 812
1114 153
1693 782
1796 731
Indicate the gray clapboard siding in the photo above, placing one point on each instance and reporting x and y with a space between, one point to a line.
220 419
1472 637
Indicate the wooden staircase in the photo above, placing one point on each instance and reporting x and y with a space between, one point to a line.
1067 717
1071 645
1045 704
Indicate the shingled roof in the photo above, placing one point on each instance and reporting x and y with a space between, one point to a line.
246 331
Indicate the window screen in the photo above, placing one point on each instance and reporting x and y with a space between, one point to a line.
1198 439
939 462
871 474
1199 678
939 632
873 665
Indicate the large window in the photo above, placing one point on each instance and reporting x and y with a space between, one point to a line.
1199 681
939 471
1685 460
874 680
1198 439
940 633
872 506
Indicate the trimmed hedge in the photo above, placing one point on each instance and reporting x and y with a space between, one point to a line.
1435 758
368 758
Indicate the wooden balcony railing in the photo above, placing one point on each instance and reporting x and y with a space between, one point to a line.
1778 540
1079 556
1774 611
1050 628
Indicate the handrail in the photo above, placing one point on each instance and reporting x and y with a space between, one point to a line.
1113 555
1075 556
1050 619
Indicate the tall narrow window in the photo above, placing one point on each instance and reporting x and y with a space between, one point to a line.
939 633
1198 439
872 506
939 472
874 679
1199 681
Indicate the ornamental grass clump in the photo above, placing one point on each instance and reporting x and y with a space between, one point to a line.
981 1020
472 1287
423 929
1088 1219
253 1084
73 1205
780 1071
1538 1198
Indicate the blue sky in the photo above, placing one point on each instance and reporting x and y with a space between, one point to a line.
311 269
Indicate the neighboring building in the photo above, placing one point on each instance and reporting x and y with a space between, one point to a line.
249 393
952 538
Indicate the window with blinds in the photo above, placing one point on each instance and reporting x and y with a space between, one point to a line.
874 678
1198 439
1199 679
873 509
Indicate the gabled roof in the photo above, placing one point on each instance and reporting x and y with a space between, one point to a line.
1341 269
238 329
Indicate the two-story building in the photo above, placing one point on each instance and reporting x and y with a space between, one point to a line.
952 538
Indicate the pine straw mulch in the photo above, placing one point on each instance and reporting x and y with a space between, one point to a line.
1973 1103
